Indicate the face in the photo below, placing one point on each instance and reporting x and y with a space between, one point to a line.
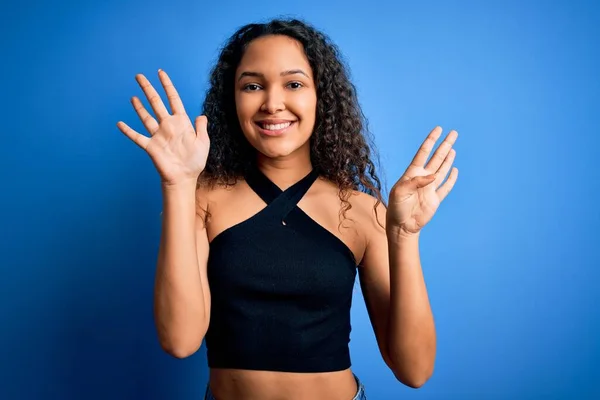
275 97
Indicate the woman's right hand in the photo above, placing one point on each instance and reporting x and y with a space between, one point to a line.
177 149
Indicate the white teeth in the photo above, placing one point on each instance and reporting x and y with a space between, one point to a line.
276 127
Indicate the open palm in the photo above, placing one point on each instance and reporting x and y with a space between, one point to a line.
178 149
416 196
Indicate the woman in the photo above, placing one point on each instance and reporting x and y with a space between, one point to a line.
271 206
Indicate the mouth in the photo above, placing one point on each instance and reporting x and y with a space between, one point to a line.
274 129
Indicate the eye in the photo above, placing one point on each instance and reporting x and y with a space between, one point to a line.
295 85
251 87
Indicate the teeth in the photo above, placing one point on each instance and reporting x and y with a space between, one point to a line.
276 127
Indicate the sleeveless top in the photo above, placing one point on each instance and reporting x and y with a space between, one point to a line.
281 288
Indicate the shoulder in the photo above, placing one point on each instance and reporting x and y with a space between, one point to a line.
363 211
370 211
209 193
363 207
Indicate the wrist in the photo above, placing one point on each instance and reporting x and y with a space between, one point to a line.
397 234
179 186
179 196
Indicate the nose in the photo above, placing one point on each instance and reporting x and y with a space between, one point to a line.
274 101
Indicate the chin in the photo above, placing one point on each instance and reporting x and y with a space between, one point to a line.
277 151
279 147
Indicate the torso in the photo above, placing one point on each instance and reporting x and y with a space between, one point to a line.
232 205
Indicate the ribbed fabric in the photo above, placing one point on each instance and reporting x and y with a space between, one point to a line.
280 293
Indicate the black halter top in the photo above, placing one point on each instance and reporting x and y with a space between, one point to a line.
281 288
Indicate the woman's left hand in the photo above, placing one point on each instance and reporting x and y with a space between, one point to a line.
416 196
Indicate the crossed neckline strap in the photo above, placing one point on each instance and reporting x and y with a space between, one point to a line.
279 202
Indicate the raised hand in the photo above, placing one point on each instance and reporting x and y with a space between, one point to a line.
177 149
416 196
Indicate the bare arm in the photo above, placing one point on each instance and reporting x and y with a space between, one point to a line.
181 296
412 336
395 289
396 298
179 152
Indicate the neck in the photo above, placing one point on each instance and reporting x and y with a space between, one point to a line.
284 172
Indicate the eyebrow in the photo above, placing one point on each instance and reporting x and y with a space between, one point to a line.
284 73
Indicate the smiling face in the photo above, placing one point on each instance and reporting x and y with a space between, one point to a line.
275 97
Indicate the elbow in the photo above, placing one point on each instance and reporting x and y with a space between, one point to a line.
181 354
181 345
414 374
414 380
180 350
412 364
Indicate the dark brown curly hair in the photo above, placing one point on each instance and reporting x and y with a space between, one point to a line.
341 145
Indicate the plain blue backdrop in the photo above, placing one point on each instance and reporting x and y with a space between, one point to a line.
510 259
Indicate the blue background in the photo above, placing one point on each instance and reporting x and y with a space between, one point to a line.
510 259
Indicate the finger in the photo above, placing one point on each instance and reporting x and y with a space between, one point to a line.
442 151
423 152
448 185
422 181
445 167
148 120
201 125
137 138
153 97
172 95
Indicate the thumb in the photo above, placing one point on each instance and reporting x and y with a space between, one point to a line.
422 181
201 125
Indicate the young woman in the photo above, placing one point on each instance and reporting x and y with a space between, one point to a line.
271 207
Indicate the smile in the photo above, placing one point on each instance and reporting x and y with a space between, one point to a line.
274 129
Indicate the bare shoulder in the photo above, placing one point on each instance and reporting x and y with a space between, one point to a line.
368 211
364 210
208 194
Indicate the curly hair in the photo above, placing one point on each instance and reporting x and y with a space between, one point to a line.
341 146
